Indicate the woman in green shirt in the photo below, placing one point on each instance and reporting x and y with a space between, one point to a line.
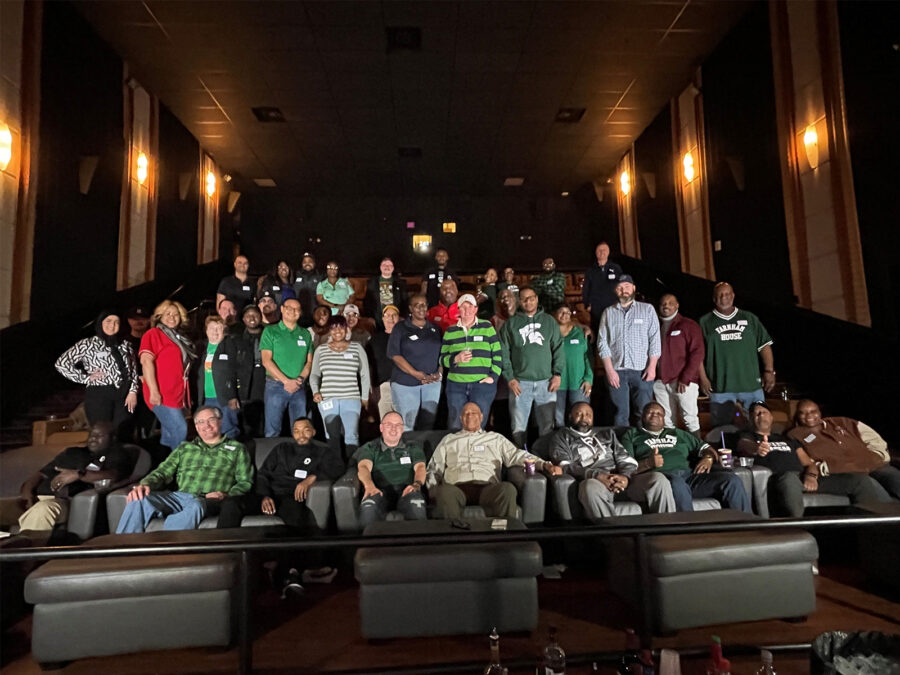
578 375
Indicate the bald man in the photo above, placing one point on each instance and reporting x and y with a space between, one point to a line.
678 372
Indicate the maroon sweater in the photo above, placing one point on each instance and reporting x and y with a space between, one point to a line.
682 351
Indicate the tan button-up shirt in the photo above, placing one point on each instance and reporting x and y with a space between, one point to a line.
474 457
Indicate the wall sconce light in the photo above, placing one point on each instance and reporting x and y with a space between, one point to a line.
143 165
811 143
5 146
210 183
688 164
421 243
625 182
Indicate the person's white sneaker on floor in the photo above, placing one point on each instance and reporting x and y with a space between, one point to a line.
323 575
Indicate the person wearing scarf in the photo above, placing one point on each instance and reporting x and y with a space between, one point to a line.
105 363
166 355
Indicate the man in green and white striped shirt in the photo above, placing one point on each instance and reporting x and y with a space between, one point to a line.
471 354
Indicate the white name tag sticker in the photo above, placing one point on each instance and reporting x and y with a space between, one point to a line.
223 357
405 460
575 341
92 467
611 276
810 438
301 343
742 322
478 338
349 356
431 276
299 279
478 448
638 321
245 288
675 332
326 405
276 288
413 337
300 473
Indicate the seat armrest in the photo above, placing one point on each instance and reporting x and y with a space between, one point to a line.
746 477
319 502
533 498
83 513
115 507
761 476
564 497
345 495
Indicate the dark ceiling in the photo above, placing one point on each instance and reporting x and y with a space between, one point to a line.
479 98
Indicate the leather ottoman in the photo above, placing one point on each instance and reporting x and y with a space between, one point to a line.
446 589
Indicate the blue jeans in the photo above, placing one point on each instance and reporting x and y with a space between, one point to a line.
229 417
417 405
181 510
721 404
634 390
544 401
276 400
722 485
565 399
460 393
341 412
171 424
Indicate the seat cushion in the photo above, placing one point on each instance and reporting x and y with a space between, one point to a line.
673 555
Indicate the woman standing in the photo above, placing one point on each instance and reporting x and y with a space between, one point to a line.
319 327
279 282
340 384
166 356
105 363
383 365
217 378
578 376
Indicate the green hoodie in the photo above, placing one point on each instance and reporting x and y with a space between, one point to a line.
532 347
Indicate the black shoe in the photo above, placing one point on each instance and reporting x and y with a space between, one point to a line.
292 585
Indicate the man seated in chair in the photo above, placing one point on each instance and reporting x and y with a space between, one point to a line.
604 468
672 451
46 493
206 471
392 473
465 469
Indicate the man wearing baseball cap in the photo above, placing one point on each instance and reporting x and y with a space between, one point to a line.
471 355
629 346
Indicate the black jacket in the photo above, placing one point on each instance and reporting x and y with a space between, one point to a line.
278 476
224 371
373 296
250 372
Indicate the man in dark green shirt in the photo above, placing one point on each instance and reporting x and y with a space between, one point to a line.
392 473
206 470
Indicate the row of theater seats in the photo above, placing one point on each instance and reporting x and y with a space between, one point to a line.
344 493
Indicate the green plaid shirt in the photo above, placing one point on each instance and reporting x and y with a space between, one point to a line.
199 468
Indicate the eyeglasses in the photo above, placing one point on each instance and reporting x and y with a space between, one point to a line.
331 267
208 422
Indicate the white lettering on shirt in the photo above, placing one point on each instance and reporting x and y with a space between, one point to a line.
531 334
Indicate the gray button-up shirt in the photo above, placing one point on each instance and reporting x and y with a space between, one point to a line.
629 336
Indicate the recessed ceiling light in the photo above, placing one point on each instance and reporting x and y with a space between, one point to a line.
513 181
264 182
266 113
565 194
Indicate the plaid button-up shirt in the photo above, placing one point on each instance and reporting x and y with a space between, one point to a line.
629 337
199 469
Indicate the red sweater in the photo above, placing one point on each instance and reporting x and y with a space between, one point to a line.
444 316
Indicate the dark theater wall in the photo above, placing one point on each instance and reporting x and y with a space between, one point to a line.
739 111
76 236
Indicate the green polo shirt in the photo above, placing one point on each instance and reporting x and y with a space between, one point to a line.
338 294
289 347
392 467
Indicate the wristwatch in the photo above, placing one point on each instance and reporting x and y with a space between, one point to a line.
417 485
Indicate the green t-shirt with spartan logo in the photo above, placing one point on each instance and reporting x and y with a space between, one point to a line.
678 448
732 350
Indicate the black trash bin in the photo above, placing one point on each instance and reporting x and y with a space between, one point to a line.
870 653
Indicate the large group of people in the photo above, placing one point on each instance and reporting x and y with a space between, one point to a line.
278 344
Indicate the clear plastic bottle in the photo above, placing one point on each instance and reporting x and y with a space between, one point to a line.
554 656
494 667
766 668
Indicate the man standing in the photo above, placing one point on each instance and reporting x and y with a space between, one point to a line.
446 312
605 469
465 469
672 451
286 351
392 473
251 372
268 308
306 281
237 287
433 279
472 356
629 346
600 280
383 291
228 313
735 340
550 286
676 387
533 361
207 470
45 494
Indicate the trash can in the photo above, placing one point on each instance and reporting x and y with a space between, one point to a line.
863 653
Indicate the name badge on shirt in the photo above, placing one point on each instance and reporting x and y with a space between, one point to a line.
478 448
637 321
574 342
413 337
299 279
742 322
431 276
405 460
810 438
301 343
300 473
349 356
276 288
223 357
611 275
478 338
327 405
92 466
675 332
245 288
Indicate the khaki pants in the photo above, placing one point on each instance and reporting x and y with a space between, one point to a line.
47 512
497 499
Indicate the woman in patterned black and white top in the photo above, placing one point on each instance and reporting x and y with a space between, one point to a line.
340 384
106 364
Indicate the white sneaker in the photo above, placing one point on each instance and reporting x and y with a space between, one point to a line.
323 575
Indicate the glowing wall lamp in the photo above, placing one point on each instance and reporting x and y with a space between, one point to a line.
210 183
5 146
421 242
811 143
143 166
449 228
625 182
688 164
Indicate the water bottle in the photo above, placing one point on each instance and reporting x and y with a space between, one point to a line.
554 656
766 668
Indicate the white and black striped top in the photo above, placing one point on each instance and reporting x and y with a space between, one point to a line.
92 354
340 374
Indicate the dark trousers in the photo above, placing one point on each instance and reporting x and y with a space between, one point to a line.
376 507
722 485
786 491
107 404
497 499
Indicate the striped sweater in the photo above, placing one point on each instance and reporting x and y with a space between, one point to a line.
334 374
482 340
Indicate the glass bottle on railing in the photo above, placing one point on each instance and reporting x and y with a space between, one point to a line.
494 667
767 667
630 661
554 656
